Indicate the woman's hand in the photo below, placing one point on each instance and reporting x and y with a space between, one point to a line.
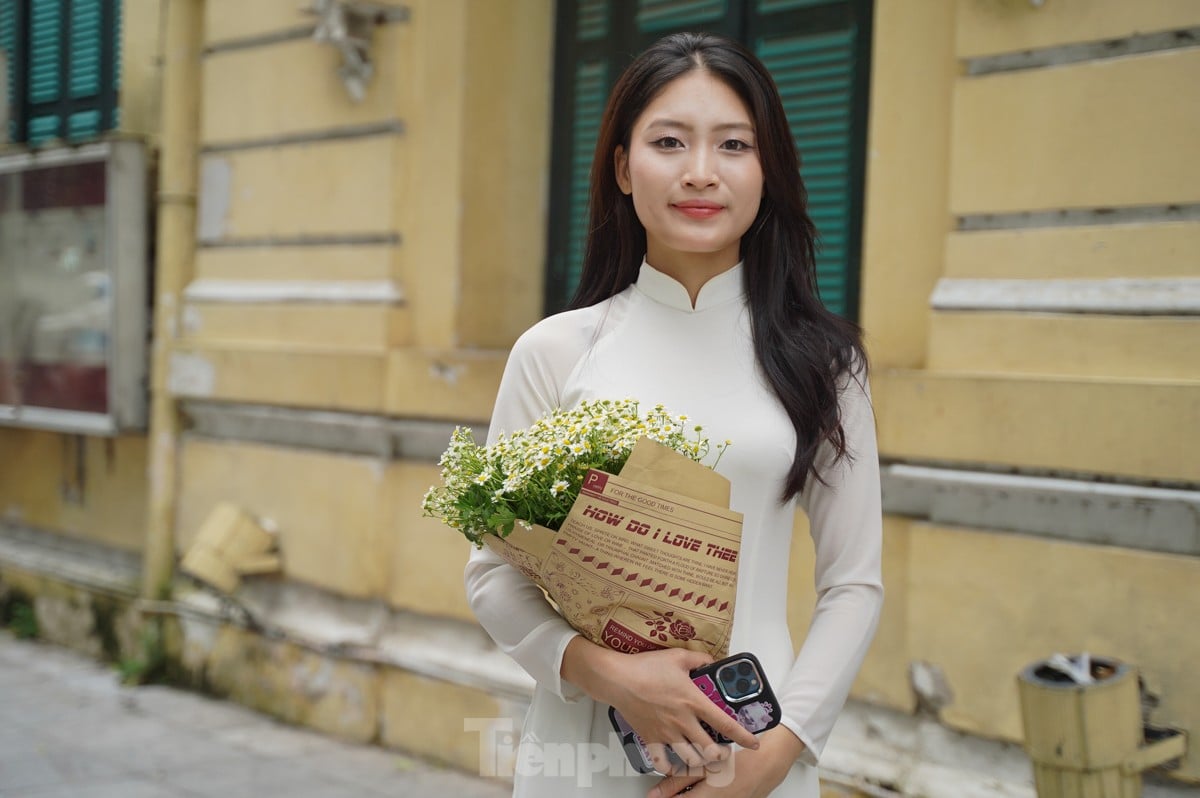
745 774
655 693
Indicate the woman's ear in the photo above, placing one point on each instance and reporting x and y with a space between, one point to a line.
621 165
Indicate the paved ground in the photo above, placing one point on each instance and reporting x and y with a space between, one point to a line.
69 730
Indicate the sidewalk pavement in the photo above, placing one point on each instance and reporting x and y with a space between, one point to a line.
69 729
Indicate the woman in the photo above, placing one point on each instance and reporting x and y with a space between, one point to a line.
698 291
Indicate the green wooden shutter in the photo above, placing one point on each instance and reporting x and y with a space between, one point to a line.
664 16
591 92
8 43
772 6
83 74
815 74
67 84
44 85
585 46
114 120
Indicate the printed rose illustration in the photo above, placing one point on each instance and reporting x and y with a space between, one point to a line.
682 630
661 623
666 623
658 623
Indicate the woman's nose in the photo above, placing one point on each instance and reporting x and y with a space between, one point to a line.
700 171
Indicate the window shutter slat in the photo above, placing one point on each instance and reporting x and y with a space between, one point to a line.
593 20
815 74
84 73
8 43
591 92
45 51
667 15
771 6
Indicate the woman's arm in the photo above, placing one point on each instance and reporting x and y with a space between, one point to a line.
510 608
846 522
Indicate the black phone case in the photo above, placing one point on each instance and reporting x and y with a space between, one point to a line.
756 712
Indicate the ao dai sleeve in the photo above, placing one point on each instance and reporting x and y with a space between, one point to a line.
846 522
511 608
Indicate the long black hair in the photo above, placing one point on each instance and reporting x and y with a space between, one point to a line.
803 350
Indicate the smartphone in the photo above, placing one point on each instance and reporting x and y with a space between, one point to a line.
736 684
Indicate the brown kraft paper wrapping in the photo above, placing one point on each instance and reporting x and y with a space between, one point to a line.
645 560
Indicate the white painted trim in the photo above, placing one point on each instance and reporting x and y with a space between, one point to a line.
317 291
21 160
1151 296
57 420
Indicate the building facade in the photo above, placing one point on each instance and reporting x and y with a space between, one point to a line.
358 208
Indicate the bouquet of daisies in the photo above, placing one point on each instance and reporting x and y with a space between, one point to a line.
534 475
610 510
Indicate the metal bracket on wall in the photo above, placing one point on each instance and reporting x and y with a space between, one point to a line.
348 25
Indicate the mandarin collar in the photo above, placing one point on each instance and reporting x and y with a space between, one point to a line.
668 291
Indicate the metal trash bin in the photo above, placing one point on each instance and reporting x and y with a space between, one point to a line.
1084 731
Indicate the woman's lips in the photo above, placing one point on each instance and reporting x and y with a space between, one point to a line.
698 209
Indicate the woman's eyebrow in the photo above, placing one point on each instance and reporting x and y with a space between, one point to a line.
685 126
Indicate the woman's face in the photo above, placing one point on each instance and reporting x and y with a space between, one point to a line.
693 170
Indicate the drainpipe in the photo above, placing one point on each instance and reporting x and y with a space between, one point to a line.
183 41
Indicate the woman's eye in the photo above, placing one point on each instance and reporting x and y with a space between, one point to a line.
735 145
668 143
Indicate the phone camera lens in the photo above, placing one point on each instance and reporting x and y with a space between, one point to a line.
738 680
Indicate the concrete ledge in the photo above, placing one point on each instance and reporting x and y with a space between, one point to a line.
356 433
79 562
1132 516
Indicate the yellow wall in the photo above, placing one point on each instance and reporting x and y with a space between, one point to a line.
141 70
983 605
905 220
1114 396
454 175
1045 138
81 486
460 188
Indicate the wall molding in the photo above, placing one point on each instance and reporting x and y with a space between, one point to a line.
350 433
95 566
387 127
1079 217
65 421
303 291
384 14
1165 296
1061 55
1130 516
331 240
